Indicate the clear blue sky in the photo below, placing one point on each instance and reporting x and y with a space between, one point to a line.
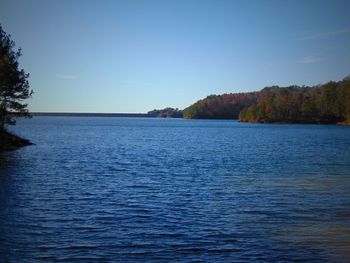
137 55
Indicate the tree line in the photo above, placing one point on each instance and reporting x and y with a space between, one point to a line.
327 103
226 106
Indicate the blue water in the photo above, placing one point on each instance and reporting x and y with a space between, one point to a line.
160 190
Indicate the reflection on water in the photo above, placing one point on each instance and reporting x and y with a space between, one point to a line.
331 238
101 189
6 160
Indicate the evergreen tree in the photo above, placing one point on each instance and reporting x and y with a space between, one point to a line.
14 85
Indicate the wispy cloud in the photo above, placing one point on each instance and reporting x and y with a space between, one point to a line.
135 83
67 77
310 60
326 34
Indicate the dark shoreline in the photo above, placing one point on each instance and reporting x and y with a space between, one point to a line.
74 114
10 142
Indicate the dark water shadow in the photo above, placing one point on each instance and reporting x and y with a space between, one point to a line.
7 159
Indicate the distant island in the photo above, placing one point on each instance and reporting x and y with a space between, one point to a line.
328 103
166 113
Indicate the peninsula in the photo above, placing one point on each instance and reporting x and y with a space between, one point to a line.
328 103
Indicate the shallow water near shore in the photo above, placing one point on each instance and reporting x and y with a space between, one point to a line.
159 190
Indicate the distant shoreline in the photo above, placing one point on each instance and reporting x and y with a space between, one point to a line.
74 114
145 115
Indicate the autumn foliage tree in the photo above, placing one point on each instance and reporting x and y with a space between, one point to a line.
226 106
327 103
14 85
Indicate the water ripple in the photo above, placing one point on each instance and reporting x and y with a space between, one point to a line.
118 189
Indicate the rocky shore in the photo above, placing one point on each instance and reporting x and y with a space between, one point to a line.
9 141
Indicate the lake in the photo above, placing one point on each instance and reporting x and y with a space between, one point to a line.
160 190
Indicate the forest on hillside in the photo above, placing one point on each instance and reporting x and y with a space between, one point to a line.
327 103
226 106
